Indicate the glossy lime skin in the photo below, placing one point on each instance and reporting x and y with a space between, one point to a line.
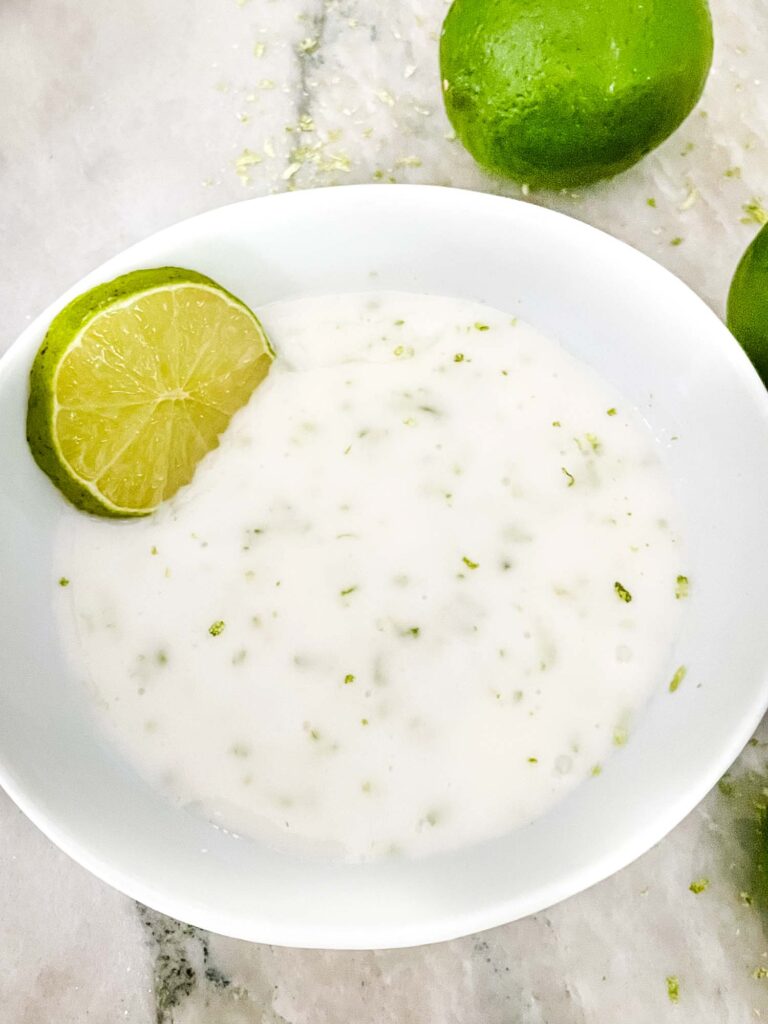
560 93
748 303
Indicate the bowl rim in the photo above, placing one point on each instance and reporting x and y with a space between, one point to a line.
440 927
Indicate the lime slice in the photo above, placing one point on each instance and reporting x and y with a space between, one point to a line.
134 383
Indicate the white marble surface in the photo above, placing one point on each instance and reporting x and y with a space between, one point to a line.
119 118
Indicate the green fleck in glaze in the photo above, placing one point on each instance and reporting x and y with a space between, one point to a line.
63 582
622 593
469 563
699 885
620 736
681 587
677 678
216 628
348 678
610 412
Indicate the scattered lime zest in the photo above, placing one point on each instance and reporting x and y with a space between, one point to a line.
621 592
610 412
533 760
681 587
63 581
469 563
481 327
597 769
217 628
571 477
699 885
677 678
347 591
363 721
651 202
556 423
677 240
459 357
348 678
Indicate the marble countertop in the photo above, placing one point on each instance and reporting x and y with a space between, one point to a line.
118 119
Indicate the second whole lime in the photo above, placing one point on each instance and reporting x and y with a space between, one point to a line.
560 93
748 303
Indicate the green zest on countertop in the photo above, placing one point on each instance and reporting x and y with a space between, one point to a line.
673 988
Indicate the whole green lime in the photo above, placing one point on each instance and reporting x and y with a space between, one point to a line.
558 93
748 303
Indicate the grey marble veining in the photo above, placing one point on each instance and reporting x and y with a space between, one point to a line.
118 119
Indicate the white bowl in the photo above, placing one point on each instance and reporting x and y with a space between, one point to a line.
640 328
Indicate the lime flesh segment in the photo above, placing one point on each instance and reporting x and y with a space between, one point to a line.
135 382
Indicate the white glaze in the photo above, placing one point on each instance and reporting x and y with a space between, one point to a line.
493 662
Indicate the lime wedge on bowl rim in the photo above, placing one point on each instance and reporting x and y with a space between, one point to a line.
134 383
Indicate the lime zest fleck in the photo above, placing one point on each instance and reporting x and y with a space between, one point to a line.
597 769
469 563
681 587
347 590
651 202
677 678
677 240
216 628
481 327
63 581
673 988
571 477
556 423
533 760
620 736
610 412
348 678
363 721
594 442
459 357
621 592
755 213
699 885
